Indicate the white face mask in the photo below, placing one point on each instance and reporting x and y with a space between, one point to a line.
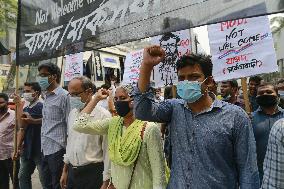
29 97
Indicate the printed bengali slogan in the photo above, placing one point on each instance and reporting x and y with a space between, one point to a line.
53 38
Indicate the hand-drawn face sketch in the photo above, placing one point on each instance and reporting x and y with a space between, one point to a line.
167 69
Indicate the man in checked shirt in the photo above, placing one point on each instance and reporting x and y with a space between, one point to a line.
273 166
54 124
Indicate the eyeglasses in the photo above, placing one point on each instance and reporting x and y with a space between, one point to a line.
75 94
44 75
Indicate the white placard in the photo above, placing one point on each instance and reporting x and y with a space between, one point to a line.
242 48
175 45
73 66
132 65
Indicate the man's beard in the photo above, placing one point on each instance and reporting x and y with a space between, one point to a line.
3 109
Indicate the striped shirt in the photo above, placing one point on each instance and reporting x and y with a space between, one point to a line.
7 124
55 113
273 167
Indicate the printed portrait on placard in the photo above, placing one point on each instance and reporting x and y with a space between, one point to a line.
169 42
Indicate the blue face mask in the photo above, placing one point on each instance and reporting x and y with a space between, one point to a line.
43 82
75 102
281 94
190 91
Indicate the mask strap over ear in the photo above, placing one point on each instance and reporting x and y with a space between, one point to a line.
52 80
211 77
206 90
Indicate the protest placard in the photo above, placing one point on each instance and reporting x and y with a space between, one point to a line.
242 48
73 66
175 45
132 65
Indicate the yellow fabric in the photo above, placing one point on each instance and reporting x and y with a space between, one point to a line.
167 172
124 149
219 97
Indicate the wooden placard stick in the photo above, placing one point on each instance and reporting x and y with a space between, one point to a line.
245 94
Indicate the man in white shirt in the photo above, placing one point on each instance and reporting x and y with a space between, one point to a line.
87 155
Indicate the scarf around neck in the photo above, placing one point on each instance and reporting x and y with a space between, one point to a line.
124 148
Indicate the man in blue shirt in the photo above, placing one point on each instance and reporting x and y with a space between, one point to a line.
29 136
264 118
56 108
212 141
229 93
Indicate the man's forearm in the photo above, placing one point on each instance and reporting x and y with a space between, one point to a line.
20 137
90 106
144 77
65 168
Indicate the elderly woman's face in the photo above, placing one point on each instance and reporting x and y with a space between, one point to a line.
121 95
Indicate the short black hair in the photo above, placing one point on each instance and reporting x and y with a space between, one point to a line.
280 81
204 61
4 96
233 83
256 79
52 69
105 86
168 93
268 84
168 36
35 86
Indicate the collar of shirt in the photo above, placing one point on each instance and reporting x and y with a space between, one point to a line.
55 91
33 104
5 115
216 104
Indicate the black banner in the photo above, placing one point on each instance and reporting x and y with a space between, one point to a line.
49 26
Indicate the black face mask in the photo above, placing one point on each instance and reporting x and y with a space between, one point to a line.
267 101
227 97
122 108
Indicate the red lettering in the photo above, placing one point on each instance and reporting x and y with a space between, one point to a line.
236 59
233 23
223 24
184 43
229 61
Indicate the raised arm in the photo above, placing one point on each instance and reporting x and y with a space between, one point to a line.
245 152
152 56
86 124
145 106
100 95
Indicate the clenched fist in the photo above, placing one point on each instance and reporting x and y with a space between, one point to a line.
153 55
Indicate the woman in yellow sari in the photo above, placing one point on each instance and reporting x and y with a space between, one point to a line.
135 147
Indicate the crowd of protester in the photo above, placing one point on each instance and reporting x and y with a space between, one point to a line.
196 135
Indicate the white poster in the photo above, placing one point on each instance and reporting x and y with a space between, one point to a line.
242 48
175 45
73 66
132 67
